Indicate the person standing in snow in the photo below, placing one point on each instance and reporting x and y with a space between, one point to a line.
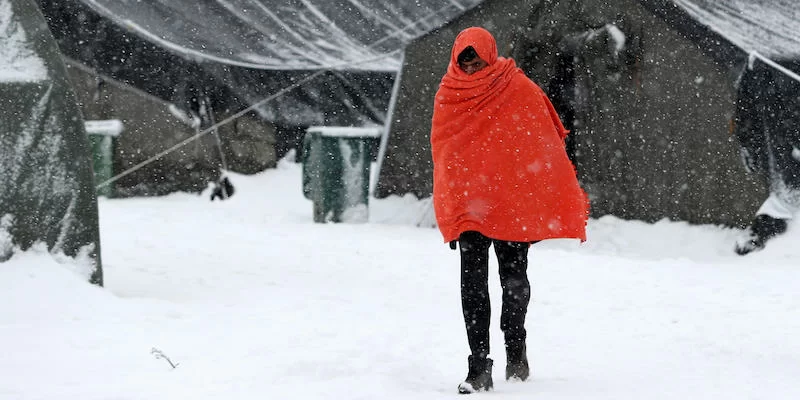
501 177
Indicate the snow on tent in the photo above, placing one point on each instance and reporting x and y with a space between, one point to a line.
46 186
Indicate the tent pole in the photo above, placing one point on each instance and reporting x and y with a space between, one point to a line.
387 126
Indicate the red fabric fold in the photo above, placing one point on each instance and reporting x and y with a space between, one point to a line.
500 166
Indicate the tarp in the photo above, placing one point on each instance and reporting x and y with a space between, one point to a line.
771 27
46 183
242 52
284 34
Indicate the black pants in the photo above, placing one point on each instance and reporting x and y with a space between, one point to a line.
513 260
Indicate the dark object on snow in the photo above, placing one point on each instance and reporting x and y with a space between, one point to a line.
223 189
517 368
764 228
453 244
479 376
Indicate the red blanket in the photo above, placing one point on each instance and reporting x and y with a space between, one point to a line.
500 167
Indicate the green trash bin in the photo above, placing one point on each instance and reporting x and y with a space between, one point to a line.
336 171
102 137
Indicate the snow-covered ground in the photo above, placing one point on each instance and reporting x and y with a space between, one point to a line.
253 300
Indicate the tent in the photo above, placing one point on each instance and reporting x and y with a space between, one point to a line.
648 87
46 188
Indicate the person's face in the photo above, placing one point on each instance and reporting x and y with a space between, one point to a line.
473 66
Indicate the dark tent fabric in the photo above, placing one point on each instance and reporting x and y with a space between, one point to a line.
46 185
334 98
767 125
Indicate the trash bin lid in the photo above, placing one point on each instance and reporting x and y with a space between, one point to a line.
347 131
103 127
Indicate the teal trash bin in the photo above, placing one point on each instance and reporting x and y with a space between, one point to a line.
336 172
102 138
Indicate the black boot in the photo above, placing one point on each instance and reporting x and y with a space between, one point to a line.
517 363
479 377
764 228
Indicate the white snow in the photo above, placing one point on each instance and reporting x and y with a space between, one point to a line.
252 300
775 206
105 127
618 36
18 63
347 131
